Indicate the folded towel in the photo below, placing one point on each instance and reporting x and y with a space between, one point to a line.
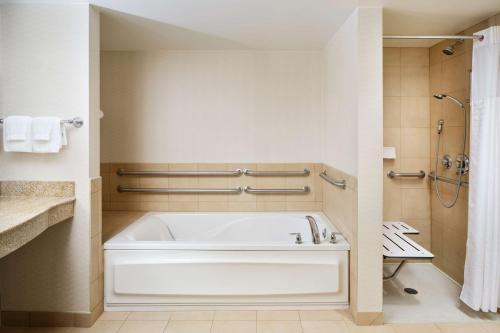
41 128
17 134
47 134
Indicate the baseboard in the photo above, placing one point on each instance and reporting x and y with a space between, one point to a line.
368 318
50 319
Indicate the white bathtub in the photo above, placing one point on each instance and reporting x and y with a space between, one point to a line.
168 261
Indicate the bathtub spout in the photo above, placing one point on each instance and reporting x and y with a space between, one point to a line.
314 229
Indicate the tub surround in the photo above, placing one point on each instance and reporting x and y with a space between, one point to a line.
28 208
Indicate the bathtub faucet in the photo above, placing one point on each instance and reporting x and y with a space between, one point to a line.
314 229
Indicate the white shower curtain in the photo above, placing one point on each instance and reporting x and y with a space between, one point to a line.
481 290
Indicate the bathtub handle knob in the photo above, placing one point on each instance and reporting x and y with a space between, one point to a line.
298 237
333 237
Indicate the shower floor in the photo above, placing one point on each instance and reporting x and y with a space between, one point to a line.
437 299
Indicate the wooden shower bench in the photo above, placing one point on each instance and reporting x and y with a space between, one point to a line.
398 246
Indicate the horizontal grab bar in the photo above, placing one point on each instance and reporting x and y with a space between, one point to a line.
303 190
235 190
338 183
304 172
393 174
233 173
447 180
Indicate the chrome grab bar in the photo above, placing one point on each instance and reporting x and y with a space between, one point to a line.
394 174
303 173
314 229
447 180
236 190
303 190
233 173
77 122
338 183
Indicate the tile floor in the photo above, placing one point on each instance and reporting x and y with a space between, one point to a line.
327 321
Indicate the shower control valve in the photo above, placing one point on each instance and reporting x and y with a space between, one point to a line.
462 162
447 161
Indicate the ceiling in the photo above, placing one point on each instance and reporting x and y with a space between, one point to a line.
272 24
198 24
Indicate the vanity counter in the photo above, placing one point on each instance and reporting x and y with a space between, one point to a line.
28 208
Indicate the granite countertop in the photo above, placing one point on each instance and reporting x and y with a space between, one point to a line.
28 208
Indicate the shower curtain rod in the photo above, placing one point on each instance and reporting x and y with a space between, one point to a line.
477 37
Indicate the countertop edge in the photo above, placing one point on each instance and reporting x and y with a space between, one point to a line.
33 225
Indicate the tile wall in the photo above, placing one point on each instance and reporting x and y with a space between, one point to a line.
407 127
96 250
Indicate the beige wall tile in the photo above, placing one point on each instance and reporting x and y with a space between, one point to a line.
392 56
392 81
392 112
415 142
414 56
415 81
455 75
415 203
271 206
435 78
415 112
392 138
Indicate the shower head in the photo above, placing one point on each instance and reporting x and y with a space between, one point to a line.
450 49
456 100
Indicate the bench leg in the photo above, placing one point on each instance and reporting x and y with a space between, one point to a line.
396 271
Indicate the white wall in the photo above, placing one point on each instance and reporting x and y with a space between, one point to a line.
370 159
341 98
44 70
354 139
212 106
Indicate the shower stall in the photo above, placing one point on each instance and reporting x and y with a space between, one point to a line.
427 94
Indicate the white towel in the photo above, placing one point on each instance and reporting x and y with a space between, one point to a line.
47 134
17 134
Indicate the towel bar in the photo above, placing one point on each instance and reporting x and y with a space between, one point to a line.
393 174
234 173
303 190
304 172
338 183
235 190
77 121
